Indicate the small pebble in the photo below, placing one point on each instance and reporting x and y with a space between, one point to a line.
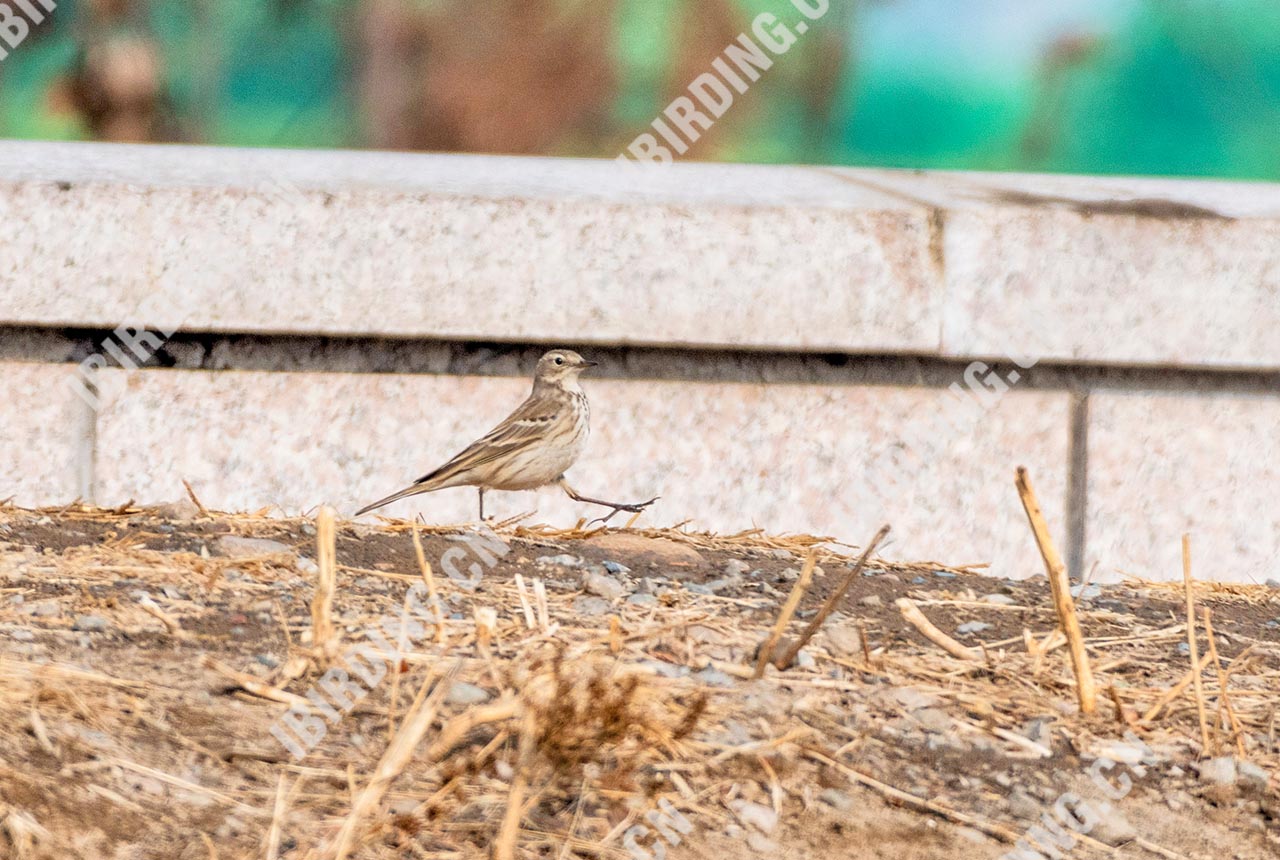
1219 771
972 627
616 569
1000 599
714 678
837 799
235 546
944 574
591 606
603 586
642 600
90 624
872 600
564 560
1085 592
755 815
462 693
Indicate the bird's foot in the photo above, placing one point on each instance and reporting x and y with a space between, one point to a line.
635 508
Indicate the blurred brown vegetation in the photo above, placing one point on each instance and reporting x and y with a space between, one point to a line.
514 76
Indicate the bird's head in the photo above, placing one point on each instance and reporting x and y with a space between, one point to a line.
561 367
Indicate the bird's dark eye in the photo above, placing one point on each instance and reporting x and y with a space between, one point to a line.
559 360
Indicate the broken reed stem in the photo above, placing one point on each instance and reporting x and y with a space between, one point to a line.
253 685
1224 697
995 831
1174 691
1191 643
452 733
1086 691
504 847
417 723
402 643
322 629
912 613
428 576
831 602
195 500
277 820
788 610
521 589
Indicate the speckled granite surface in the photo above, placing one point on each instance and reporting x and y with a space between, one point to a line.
830 460
44 434
1161 465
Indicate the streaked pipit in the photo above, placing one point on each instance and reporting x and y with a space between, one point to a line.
531 448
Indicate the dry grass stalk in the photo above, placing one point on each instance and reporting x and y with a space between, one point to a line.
540 598
460 726
912 613
428 576
784 661
191 494
995 831
399 752
1174 691
1086 690
486 624
277 820
170 623
1224 695
784 616
252 685
529 621
504 847
323 632
1191 643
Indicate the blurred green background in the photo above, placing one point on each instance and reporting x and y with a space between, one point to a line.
1169 87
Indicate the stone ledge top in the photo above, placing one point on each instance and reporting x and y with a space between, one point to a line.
448 174
1073 269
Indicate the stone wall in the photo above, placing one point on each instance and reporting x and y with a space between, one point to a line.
779 345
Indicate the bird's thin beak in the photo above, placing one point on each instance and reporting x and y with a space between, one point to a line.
590 364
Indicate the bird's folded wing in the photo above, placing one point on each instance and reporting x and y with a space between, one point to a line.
526 426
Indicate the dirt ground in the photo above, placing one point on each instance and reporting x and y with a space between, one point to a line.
146 655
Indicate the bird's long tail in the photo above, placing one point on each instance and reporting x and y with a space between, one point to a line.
411 490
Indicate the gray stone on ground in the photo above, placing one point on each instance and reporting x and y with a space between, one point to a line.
91 624
591 606
972 627
1219 771
843 640
462 693
1112 827
562 560
933 720
235 546
755 815
836 799
603 586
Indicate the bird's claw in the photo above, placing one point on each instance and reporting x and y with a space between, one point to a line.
617 509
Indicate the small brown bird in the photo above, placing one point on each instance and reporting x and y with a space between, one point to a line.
531 448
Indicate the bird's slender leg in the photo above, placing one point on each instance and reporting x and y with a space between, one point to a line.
481 489
633 508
